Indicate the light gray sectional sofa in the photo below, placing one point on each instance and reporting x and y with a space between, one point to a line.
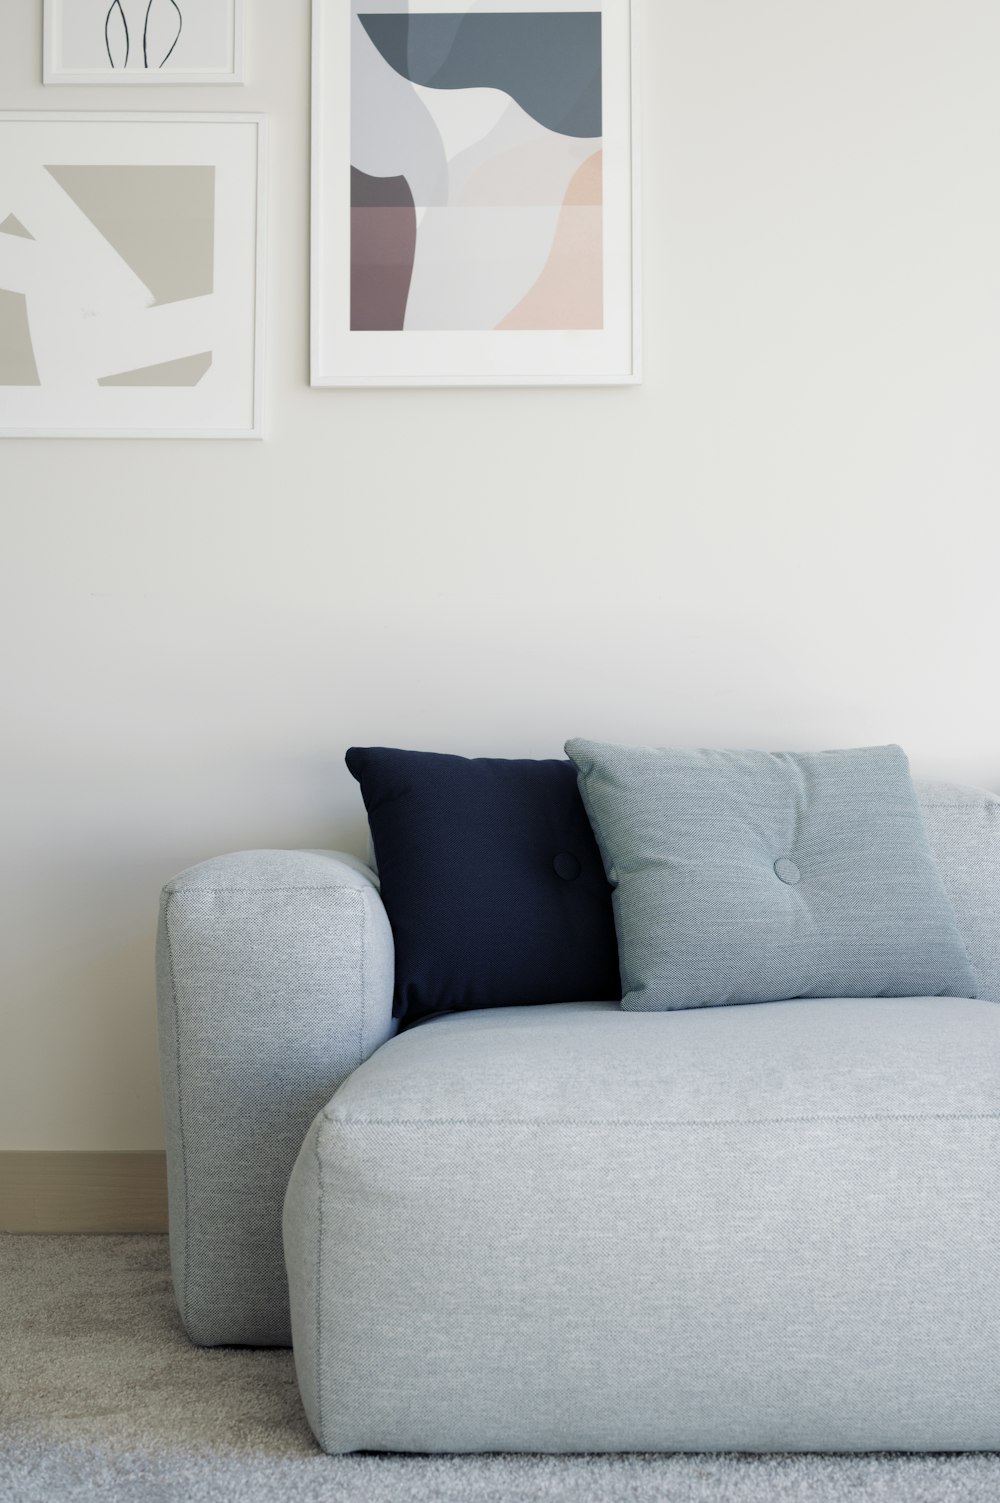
573 1228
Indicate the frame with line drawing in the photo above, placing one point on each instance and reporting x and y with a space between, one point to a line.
143 41
475 208
131 275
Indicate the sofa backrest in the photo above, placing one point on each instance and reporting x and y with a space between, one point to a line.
963 825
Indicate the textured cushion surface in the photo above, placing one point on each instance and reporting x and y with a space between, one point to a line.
834 1057
963 826
575 1228
274 981
747 876
492 881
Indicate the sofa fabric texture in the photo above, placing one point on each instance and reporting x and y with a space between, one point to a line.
963 826
274 981
274 978
769 1227
492 881
749 876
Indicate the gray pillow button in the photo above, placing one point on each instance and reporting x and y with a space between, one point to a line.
787 871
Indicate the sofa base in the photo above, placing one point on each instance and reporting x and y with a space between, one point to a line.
734 1265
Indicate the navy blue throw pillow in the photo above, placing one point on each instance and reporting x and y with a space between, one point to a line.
492 880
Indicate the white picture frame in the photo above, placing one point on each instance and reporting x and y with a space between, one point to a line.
347 351
132 274
129 43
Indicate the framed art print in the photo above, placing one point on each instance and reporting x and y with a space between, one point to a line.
474 193
131 275
143 41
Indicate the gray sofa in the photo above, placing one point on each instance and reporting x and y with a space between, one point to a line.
570 1228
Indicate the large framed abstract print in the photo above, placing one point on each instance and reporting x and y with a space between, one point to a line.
131 275
475 215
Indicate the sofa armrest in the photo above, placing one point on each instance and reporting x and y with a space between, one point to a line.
274 982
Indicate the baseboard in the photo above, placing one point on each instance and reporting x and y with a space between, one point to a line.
83 1192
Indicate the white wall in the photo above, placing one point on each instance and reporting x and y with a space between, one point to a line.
786 537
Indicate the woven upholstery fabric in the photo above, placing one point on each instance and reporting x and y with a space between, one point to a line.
492 881
274 981
275 978
747 876
963 826
581 1229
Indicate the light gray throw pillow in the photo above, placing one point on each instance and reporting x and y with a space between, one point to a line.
747 876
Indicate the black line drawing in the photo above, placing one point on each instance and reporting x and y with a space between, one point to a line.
109 20
116 6
145 34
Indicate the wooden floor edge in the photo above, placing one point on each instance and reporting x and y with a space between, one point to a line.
83 1192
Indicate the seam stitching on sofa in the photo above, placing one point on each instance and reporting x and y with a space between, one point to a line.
966 951
320 1418
992 807
185 1301
187 892
364 983
660 1121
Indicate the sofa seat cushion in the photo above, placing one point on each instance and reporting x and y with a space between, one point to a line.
783 1060
768 1227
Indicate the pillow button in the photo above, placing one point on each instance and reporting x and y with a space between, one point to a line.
566 866
787 871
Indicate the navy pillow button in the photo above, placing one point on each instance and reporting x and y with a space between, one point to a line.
787 871
567 867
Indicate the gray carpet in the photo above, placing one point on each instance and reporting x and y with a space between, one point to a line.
102 1397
